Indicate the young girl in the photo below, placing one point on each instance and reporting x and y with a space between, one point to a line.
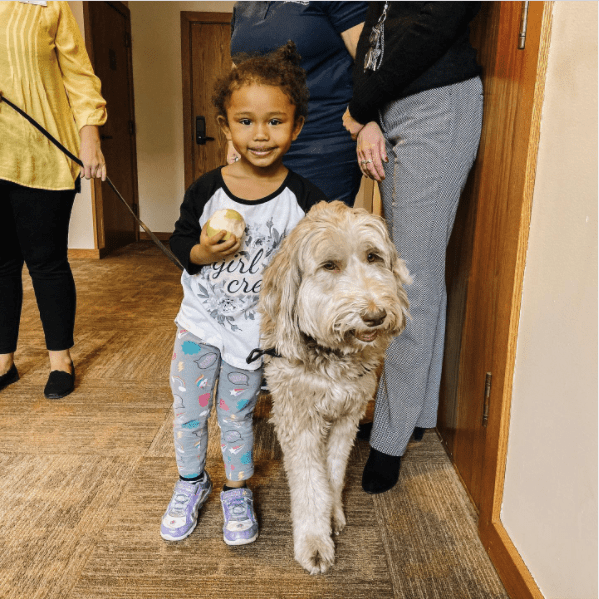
262 105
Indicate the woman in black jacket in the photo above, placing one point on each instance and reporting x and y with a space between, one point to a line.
416 112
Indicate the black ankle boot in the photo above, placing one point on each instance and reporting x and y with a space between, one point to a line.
9 377
381 472
418 433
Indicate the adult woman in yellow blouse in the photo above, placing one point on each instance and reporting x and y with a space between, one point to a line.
45 70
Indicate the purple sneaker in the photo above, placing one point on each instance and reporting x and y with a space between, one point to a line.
181 515
241 526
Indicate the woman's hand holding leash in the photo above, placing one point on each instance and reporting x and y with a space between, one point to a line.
94 165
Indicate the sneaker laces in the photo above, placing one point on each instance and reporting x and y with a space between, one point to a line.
180 500
238 508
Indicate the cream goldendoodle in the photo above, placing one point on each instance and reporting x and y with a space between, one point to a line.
331 300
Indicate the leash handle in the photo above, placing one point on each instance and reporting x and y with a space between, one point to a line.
74 158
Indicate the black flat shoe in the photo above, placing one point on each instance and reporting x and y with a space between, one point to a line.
381 472
9 377
59 384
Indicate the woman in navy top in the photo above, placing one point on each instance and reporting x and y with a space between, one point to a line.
326 35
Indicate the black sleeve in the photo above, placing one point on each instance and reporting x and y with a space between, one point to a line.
187 228
314 197
408 53
306 192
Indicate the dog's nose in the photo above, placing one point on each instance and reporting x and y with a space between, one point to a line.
374 318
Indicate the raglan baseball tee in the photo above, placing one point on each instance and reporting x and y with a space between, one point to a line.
220 299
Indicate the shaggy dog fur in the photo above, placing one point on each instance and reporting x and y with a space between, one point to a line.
331 300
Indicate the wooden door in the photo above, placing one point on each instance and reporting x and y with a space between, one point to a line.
205 56
485 269
108 39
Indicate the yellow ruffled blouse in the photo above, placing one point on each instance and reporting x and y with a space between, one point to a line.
45 71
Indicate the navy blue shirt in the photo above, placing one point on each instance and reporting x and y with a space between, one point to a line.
324 151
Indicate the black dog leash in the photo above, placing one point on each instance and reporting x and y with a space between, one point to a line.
74 158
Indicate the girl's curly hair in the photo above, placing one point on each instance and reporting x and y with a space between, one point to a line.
279 68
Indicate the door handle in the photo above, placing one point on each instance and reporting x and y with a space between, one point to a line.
201 137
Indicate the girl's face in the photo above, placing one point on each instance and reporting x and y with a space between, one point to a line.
261 124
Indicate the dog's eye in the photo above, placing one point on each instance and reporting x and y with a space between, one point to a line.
330 265
373 257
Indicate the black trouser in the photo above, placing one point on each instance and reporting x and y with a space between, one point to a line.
34 229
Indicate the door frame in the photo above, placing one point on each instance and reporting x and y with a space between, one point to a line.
96 184
188 19
504 554
500 320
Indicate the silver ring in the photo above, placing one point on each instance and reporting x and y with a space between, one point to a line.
366 162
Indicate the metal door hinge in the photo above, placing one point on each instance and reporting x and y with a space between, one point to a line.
128 37
131 128
487 398
523 25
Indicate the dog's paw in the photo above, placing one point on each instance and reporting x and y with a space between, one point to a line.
315 554
339 521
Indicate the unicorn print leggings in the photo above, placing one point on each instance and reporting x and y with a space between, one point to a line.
198 374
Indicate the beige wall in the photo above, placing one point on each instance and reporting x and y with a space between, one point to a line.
81 232
156 42
550 501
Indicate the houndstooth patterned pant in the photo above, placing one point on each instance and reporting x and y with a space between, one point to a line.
432 141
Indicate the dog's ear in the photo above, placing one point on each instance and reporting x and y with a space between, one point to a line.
279 328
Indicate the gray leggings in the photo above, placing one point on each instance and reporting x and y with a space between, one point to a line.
197 374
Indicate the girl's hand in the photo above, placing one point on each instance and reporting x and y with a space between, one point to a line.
351 124
232 153
90 153
371 151
209 250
